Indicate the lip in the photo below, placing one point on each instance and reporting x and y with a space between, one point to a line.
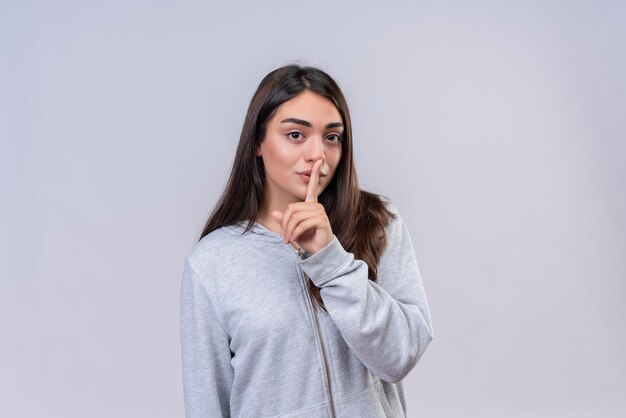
308 173
305 177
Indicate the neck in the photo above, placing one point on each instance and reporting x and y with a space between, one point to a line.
265 218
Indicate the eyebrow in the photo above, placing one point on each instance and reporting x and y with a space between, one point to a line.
308 124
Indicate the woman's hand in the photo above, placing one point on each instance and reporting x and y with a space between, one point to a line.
305 224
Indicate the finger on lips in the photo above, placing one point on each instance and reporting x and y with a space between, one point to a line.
301 216
311 194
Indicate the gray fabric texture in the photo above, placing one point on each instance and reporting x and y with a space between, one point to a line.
253 344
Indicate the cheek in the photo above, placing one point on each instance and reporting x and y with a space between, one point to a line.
277 156
333 157
284 155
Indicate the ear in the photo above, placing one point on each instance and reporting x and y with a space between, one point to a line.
258 150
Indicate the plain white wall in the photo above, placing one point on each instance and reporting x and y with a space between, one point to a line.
496 128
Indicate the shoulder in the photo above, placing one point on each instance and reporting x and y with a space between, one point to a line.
399 245
395 229
382 208
396 224
206 254
389 205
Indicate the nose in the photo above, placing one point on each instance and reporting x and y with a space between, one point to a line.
315 149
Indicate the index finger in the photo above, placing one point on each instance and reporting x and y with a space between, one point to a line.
311 193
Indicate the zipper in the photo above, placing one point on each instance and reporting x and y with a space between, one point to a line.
318 334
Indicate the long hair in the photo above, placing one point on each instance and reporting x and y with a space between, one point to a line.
358 218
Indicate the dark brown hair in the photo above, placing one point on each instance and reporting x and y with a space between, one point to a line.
358 218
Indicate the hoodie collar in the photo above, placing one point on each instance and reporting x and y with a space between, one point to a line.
257 232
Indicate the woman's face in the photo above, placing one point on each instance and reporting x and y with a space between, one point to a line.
303 130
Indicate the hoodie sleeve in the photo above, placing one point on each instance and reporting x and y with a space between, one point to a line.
387 322
207 371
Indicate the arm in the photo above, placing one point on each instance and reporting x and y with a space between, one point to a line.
207 371
387 323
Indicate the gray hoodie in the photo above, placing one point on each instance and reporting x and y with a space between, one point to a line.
254 344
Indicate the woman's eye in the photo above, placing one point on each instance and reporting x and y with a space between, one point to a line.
334 138
294 135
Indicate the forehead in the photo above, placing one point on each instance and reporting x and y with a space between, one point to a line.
309 106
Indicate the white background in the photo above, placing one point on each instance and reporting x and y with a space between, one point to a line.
497 129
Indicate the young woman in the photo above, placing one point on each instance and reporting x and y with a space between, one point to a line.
303 297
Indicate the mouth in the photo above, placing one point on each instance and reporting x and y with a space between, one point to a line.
305 177
323 172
